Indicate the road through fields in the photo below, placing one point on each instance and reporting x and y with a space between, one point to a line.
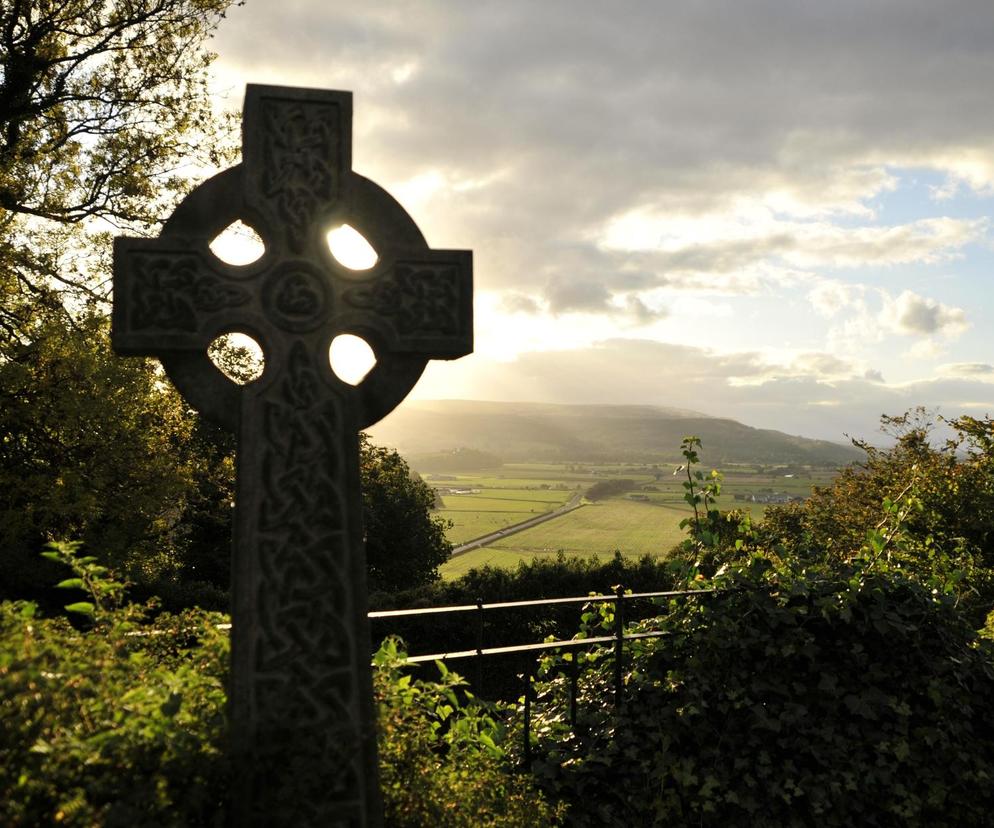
572 504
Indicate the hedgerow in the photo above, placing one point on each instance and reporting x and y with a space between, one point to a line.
791 697
119 719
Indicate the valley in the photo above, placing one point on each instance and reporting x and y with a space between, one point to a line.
641 520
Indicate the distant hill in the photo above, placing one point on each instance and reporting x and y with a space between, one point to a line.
519 432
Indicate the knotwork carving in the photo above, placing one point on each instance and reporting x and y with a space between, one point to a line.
169 291
417 299
303 638
303 724
298 143
295 297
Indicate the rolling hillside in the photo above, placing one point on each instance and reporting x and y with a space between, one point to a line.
518 432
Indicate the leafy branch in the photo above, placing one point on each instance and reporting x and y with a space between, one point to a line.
106 594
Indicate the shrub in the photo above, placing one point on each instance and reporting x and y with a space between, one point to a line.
442 756
608 488
118 719
118 725
840 698
945 494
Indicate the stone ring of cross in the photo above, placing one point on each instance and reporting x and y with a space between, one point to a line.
174 297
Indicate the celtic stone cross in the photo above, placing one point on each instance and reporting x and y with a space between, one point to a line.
303 730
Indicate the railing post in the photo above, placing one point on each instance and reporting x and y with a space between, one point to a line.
574 676
479 647
528 715
619 641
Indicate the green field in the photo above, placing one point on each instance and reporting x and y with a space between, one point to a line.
594 529
647 524
494 504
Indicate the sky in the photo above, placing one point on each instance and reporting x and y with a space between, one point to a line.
775 212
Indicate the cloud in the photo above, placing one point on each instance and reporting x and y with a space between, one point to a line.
967 369
613 163
519 303
745 239
823 365
642 313
917 315
527 130
828 297
565 295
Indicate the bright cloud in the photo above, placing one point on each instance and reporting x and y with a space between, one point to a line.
647 175
912 314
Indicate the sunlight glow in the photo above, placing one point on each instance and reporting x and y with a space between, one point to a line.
351 358
350 248
238 244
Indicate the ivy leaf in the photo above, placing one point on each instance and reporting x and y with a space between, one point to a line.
82 607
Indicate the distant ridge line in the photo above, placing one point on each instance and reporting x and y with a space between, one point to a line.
551 432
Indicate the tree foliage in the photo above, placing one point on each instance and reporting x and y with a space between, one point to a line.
103 449
105 118
104 114
121 721
92 447
405 545
608 488
829 697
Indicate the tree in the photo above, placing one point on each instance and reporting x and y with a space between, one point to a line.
104 116
405 545
92 447
104 112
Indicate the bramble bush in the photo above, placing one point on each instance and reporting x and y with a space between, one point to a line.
793 697
443 755
828 684
119 719
943 493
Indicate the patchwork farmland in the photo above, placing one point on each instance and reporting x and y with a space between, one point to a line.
642 520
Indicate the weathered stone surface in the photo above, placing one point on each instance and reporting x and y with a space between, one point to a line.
302 719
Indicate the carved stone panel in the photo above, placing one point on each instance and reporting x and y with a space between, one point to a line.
303 729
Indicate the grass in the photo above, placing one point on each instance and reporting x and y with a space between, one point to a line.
633 527
467 525
597 529
474 515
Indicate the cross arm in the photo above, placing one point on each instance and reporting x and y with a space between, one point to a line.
168 298
421 303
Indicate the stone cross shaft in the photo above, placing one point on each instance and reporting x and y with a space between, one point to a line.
303 730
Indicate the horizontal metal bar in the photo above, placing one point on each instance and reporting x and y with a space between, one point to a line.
572 643
668 594
578 599
421 611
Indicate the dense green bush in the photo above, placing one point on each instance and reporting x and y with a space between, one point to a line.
442 755
794 697
118 725
118 719
943 493
608 488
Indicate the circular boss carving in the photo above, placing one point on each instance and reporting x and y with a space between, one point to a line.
295 297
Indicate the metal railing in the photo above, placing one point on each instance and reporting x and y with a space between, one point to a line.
617 638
